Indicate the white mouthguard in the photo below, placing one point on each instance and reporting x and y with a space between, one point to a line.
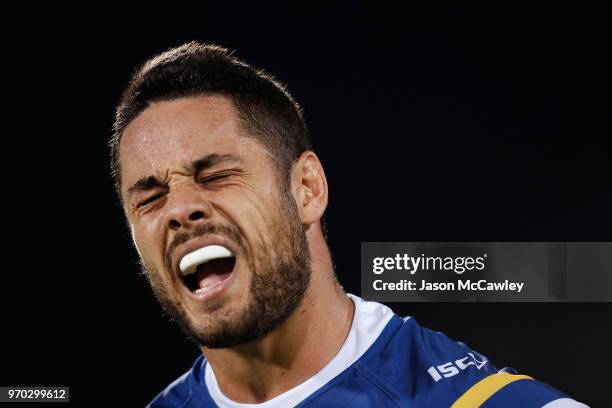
190 262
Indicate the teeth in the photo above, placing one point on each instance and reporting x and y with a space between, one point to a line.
190 262
204 289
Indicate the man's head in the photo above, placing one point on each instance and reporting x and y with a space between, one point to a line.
211 159
264 108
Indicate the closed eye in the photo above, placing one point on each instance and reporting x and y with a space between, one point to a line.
150 199
214 177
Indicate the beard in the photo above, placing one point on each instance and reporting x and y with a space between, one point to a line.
280 275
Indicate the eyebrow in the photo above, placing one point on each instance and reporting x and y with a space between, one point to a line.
211 160
150 182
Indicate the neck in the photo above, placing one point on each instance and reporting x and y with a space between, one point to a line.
296 350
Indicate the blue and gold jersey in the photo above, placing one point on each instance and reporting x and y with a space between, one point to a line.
405 366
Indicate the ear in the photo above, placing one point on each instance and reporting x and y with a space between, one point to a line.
309 187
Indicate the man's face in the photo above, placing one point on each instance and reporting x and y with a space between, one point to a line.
194 188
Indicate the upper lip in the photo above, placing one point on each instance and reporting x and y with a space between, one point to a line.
197 243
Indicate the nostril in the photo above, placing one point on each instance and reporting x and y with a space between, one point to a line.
174 224
196 215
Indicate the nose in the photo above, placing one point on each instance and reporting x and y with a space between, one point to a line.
186 210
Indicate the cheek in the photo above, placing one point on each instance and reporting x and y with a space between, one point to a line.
266 221
252 211
146 238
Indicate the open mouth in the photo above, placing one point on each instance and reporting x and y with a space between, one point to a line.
206 268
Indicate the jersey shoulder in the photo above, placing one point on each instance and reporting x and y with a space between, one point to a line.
184 390
426 368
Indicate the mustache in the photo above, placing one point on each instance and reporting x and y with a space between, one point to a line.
204 229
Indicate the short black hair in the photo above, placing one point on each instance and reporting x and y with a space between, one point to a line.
264 107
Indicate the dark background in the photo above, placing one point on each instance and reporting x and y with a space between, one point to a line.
433 123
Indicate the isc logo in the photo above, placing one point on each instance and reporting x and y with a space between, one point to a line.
453 368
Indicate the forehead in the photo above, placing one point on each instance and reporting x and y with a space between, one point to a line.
170 134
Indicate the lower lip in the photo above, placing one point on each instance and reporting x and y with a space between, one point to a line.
214 290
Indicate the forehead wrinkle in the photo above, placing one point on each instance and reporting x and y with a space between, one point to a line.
169 135
205 133
170 143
